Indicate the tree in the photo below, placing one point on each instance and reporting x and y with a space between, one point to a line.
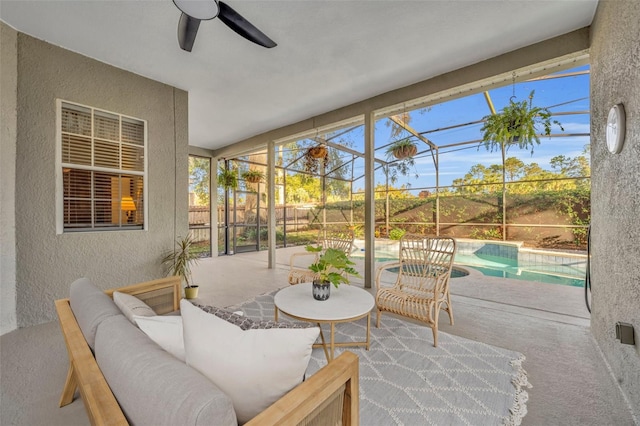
474 182
514 168
525 178
199 177
571 167
394 193
380 192
302 188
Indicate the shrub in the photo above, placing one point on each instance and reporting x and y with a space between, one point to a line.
396 233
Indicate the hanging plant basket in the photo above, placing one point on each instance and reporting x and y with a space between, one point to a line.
519 123
253 176
313 156
317 151
405 152
400 155
402 149
228 178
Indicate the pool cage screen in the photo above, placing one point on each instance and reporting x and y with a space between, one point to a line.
450 184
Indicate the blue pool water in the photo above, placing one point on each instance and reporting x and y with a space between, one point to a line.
496 266
508 268
518 274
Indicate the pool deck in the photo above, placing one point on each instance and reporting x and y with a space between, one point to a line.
229 280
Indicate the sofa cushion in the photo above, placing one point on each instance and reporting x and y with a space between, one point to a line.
153 387
90 306
131 305
254 367
246 323
165 330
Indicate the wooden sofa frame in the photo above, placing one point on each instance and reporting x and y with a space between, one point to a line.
332 390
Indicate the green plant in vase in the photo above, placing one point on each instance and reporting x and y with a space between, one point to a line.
332 267
178 262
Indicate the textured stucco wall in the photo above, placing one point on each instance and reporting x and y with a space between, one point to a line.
8 111
47 262
615 181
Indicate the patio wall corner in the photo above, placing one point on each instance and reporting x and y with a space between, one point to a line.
8 118
615 179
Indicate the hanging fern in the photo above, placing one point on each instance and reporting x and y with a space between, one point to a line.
228 178
517 123
400 157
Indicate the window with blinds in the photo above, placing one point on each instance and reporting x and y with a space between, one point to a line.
102 159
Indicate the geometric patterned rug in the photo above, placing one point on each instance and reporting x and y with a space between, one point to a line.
404 380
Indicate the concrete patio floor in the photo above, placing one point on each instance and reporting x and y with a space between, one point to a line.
549 324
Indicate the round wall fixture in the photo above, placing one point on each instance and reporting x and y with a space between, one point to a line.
615 129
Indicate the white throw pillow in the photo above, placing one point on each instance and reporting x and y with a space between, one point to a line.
253 367
131 305
166 331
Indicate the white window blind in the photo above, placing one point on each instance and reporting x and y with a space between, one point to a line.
103 169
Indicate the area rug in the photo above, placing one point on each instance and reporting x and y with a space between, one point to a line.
404 380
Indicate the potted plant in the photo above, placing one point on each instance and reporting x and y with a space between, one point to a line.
400 154
228 178
312 157
253 176
332 267
517 123
403 148
178 262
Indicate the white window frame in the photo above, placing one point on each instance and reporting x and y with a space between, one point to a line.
60 178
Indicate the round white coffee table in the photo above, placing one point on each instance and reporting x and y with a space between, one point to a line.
345 304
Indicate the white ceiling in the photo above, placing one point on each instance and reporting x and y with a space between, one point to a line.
329 54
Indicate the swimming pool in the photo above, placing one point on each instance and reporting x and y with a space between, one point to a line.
508 268
505 260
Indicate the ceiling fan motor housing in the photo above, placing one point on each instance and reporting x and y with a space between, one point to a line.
202 10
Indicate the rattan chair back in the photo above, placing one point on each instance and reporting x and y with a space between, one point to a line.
298 262
425 264
421 288
340 240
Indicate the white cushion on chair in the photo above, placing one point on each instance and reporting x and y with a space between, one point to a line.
253 367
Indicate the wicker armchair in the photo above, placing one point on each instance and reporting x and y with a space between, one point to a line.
421 289
299 262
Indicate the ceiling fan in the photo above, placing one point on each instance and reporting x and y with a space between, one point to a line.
194 11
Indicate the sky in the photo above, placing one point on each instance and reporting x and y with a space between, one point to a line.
560 95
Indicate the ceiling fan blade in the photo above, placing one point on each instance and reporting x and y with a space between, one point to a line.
243 27
187 30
